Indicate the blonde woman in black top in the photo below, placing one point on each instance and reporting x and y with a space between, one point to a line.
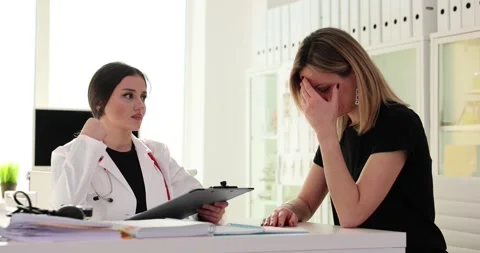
373 156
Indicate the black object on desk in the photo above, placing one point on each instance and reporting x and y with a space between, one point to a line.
187 204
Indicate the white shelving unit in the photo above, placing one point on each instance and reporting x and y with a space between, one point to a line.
455 129
455 117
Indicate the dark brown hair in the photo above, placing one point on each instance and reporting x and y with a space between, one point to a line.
104 82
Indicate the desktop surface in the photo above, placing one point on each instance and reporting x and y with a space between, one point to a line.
321 238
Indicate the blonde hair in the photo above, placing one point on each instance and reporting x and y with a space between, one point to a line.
332 50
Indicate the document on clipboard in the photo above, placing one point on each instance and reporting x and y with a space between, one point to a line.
187 204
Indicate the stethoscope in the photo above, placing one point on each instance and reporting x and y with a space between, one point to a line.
109 199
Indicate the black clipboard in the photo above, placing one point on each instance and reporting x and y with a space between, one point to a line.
187 204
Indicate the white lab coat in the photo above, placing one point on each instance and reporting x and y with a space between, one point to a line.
76 167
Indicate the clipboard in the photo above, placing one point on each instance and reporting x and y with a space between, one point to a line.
188 203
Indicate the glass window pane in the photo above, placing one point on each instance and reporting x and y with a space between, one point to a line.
263 107
400 71
263 145
85 35
459 105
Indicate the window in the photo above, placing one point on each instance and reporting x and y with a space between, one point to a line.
17 65
150 35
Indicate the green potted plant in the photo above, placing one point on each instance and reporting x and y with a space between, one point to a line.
8 177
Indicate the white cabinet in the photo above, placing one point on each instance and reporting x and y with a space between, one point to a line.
456 104
455 134
262 142
280 144
405 67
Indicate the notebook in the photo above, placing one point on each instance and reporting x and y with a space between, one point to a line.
157 228
243 229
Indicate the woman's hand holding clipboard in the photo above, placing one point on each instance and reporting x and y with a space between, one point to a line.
194 202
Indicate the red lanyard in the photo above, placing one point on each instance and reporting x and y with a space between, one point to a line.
158 167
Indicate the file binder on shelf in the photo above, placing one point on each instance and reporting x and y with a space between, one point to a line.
335 13
443 15
315 15
424 15
376 22
455 14
406 19
395 20
365 23
468 13
476 7
345 15
355 19
386 21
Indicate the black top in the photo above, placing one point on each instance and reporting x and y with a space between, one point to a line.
409 205
129 165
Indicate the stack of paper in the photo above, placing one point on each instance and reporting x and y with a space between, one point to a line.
42 228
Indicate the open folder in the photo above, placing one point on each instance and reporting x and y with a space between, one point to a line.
177 228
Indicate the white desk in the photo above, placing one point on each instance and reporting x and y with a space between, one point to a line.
322 239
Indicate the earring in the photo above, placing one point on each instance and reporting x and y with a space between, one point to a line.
357 99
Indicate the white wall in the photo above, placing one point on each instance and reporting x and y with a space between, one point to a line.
218 56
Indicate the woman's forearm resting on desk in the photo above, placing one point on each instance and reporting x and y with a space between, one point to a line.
356 201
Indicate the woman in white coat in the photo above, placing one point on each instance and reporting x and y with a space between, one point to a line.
107 167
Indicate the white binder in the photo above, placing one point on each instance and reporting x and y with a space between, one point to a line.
315 15
365 23
355 19
306 26
424 17
326 13
259 43
386 21
477 13
345 15
285 26
293 30
396 20
443 15
406 16
335 13
270 37
468 13
300 28
375 22
455 14
277 40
